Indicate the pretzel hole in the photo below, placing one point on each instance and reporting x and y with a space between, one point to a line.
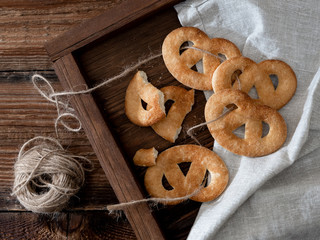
235 77
184 46
166 184
168 104
240 131
253 93
184 167
144 104
222 57
274 80
230 107
206 179
265 129
198 67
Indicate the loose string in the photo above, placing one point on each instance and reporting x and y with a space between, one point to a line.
224 113
52 97
68 111
60 105
109 80
204 51
64 110
123 206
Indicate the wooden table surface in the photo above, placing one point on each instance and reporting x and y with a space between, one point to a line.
25 25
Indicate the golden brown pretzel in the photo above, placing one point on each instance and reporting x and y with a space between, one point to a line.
250 113
201 159
258 75
170 126
139 88
179 65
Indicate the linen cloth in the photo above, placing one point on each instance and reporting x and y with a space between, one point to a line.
275 196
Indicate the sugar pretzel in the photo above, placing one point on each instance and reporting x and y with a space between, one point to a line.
249 113
258 75
201 159
179 65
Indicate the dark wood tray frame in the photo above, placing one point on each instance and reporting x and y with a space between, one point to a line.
63 53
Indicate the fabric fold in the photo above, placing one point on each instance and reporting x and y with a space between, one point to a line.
264 192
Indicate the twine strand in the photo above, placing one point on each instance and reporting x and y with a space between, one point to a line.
109 80
190 130
59 174
224 113
204 51
123 206
60 105
52 96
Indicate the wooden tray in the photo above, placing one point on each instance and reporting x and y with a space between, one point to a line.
99 49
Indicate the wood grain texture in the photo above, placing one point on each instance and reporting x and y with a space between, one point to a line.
26 25
98 62
98 225
93 225
25 225
111 20
111 159
25 114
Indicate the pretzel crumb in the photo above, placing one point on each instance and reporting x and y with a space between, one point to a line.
145 157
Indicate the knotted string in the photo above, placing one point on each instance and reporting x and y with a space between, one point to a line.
125 205
204 51
52 96
68 111
64 110
225 112
46 176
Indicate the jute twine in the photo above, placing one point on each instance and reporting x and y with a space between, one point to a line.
46 176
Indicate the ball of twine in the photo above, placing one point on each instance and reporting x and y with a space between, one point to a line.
46 176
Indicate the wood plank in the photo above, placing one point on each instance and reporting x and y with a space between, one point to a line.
20 101
98 225
111 20
26 225
24 115
35 116
98 61
111 159
66 225
26 25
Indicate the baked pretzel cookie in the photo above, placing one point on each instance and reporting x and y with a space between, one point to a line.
169 127
248 113
179 65
139 88
258 76
201 159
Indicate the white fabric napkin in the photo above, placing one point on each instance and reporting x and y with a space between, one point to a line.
276 196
